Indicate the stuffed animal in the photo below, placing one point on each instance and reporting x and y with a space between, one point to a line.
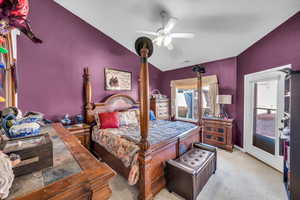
13 14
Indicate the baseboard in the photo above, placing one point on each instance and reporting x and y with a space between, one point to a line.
239 148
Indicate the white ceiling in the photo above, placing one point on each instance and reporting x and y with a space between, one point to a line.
223 28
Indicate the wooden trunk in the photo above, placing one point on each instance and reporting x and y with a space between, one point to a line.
34 157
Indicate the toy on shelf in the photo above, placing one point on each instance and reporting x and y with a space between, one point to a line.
79 119
13 14
66 120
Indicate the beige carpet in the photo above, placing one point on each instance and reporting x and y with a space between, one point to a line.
238 177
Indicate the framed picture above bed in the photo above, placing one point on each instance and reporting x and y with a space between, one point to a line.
117 79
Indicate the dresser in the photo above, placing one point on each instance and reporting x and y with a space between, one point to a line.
161 108
218 132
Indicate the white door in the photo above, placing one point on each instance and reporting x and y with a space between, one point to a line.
264 107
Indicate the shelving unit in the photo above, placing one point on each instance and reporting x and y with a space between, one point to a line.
290 135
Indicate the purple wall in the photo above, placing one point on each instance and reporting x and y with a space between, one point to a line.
50 74
278 48
226 71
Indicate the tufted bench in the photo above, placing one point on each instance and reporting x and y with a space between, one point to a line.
188 174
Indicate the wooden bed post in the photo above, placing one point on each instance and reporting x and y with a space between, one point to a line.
199 70
144 48
88 95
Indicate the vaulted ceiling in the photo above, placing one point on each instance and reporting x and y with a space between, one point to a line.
222 28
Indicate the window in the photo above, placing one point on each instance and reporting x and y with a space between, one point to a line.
184 98
186 103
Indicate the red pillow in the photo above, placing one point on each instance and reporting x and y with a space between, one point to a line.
109 120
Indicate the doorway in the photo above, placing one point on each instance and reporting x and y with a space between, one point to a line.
263 111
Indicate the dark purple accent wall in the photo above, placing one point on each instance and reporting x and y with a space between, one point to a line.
50 74
226 71
278 48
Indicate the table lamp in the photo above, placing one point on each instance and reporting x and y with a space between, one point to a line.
222 100
2 99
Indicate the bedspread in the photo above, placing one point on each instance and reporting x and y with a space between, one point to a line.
123 142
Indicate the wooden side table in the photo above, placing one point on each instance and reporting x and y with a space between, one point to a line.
218 132
81 132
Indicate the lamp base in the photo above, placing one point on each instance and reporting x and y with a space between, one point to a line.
223 113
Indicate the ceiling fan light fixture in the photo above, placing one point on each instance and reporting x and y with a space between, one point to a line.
167 40
158 41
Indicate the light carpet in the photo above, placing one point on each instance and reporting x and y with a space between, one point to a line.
238 177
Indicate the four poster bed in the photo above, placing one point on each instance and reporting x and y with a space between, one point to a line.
139 152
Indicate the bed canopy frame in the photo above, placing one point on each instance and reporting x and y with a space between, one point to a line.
151 158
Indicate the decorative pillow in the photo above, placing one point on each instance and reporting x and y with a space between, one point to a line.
96 116
137 113
109 120
128 117
152 115
24 129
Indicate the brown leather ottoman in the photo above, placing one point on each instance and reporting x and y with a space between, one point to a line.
188 174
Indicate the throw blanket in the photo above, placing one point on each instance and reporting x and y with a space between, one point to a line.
122 142
6 175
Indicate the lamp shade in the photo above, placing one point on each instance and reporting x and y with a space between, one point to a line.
223 99
2 99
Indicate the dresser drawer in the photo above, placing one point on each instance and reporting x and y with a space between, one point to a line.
163 105
163 110
163 113
219 139
218 130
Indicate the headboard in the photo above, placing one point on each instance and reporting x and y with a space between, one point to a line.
117 102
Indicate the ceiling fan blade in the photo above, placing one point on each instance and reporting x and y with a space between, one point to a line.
182 35
170 46
148 32
170 24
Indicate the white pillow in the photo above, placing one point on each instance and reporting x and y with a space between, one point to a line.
128 117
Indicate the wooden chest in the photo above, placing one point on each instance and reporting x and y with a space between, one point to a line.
218 132
161 108
36 153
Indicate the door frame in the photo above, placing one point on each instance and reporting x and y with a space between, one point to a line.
276 161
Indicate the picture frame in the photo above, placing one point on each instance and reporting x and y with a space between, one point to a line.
117 80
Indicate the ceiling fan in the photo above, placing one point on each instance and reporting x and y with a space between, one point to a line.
163 35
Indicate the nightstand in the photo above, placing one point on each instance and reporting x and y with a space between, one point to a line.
218 132
82 132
